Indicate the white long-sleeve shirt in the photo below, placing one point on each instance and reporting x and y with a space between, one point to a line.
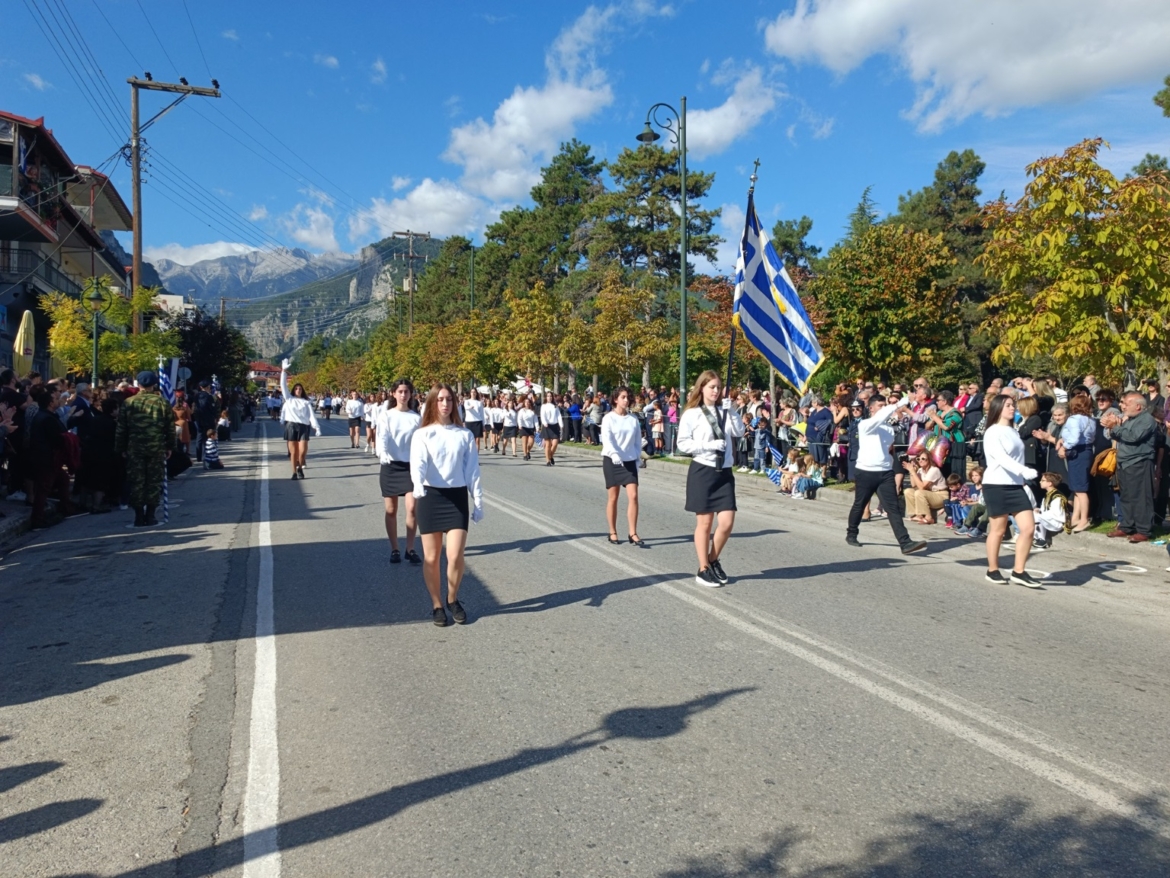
296 409
696 438
621 438
874 438
445 457
472 410
509 416
1004 450
393 431
526 419
550 415
354 408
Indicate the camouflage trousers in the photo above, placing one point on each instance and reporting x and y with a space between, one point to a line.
144 478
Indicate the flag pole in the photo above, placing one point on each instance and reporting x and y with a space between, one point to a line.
734 332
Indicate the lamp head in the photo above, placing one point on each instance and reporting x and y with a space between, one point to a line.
648 135
95 300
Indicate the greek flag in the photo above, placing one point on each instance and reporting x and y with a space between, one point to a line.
167 389
773 475
768 311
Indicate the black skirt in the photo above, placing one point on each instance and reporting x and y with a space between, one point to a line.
394 479
442 509
709 489
550 431
1006 499
294 432
476 428
355 422
509 432
619 476
527 431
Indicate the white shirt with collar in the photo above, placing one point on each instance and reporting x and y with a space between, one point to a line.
696 438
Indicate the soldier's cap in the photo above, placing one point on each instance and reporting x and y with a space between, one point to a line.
147 379
205 382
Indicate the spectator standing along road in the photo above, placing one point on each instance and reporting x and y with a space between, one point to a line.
1135 434
145 437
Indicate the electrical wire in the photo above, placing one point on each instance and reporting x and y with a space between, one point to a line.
118 34
156 37
70 26
195 33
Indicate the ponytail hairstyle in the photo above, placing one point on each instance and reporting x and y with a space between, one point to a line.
695 397
431 406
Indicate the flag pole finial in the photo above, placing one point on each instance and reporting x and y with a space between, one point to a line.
754 177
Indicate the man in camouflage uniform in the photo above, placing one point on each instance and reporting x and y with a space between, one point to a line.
145 437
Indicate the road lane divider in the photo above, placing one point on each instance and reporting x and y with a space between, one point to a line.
816 651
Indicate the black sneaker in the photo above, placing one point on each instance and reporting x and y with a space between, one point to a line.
457 612
440 617
1039 546
911 548
996 577
301 471
395 556
707 578
412 556
852 541
1025 579
717 569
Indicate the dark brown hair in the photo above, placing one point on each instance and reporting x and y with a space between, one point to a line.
431 406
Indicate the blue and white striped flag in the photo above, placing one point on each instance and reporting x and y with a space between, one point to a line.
167 389
767 308
773 475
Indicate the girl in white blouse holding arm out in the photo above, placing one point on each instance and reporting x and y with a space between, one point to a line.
444 468
705 433
621 448
297 416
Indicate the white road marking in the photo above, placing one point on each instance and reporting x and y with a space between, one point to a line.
262 795
1122 568
1091 792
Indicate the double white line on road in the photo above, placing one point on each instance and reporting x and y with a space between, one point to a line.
816 651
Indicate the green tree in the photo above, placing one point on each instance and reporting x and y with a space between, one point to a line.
878 307
579 349
625 332
950 207
209 347
1152 163
862 218
532 334
444 288
1083 265
1162 98
790 239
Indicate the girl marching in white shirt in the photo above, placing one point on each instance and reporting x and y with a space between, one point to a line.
369 417
395 427
704 432
473 416
526 426
621 448
1006 492
550 428
355 409
444 468
297 416
497 423
510 425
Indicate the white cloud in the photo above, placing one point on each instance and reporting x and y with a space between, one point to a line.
196 253
38 82
711 131
982 56
378 72
453 105
312 227
257 213
400 183
327 61
731 222
230 34
436 206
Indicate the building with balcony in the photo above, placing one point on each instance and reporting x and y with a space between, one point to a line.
51 213
264 375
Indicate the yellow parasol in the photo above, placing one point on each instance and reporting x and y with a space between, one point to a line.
24 346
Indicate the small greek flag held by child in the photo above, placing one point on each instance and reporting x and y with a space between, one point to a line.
773 476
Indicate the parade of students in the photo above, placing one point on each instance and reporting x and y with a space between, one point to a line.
510 428
550 428
473 412
297 416
355 410
704 429
621 448
526 426
395 427
444 470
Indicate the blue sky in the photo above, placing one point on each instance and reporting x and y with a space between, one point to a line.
341 122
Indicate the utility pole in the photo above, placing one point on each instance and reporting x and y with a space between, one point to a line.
410 257
183 90
223 300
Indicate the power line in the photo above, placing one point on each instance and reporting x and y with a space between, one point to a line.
118 34
195 33
156 37
87 54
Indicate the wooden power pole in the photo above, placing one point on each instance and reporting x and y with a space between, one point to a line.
184 91
410 257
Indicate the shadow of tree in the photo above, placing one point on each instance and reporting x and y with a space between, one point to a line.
44 818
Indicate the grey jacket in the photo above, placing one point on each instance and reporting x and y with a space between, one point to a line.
1136 439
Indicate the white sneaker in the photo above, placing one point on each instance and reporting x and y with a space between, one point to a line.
18 495
742 469
796 495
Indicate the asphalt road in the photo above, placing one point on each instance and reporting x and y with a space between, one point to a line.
832 712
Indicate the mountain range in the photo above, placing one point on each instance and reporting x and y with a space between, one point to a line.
252 275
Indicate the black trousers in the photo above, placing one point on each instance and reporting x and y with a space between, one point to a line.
866 484
1136 482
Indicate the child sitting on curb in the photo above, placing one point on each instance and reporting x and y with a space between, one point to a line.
974 517
211 451
958 492
1054 514
808 482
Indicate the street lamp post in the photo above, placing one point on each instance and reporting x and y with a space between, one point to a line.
98 305
677 129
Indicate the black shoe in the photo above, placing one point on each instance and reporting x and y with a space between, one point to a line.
457 612
707 578
717 569
151 521
294 475
301 471
552 461
548 463
911 548
996 577
395 557
853 542
139 516
614 541
412 556
637 541
1025 579
440 617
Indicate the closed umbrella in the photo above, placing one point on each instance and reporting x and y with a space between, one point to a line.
25 345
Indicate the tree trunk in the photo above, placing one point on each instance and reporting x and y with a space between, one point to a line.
596 382
572 378
645 374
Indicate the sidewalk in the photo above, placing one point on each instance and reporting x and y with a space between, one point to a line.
835 502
